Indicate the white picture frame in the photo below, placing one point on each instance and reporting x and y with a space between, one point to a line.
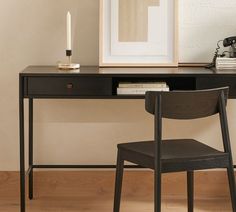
160 47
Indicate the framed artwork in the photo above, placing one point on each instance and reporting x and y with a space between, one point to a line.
138 33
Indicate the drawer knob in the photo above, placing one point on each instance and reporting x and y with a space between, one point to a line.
69 86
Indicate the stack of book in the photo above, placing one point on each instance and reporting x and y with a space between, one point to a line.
225 63
140 88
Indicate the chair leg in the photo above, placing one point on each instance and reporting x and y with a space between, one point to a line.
118 183
190 190
157 192
231 178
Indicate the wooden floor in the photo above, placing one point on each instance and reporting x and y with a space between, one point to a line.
93 192
98 204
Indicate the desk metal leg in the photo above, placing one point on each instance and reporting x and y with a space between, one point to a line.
31 148
22 147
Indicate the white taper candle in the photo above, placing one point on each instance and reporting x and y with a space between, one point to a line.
68 27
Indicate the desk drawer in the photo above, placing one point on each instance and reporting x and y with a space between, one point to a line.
221 81
69 86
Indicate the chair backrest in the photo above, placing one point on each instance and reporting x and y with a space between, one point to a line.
186 104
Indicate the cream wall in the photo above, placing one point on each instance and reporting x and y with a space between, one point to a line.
87 131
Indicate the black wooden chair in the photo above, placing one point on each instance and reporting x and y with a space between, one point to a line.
165 156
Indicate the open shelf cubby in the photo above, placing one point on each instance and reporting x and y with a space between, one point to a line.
174 83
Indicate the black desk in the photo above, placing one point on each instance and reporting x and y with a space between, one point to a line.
94 83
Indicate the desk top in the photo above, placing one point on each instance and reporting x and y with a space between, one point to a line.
94 70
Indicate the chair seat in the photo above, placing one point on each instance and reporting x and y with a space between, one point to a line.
184 153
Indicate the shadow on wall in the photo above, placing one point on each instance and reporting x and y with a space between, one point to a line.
86 123
94 111
118 112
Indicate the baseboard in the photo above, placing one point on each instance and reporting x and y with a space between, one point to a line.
209 184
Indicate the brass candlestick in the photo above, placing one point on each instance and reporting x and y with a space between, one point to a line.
69 65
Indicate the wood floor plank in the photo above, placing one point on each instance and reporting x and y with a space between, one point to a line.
92 191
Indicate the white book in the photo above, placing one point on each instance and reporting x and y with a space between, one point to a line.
232 65
226 58
226 64
142 85
229 67
138 91
226 68
226 61
219 64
